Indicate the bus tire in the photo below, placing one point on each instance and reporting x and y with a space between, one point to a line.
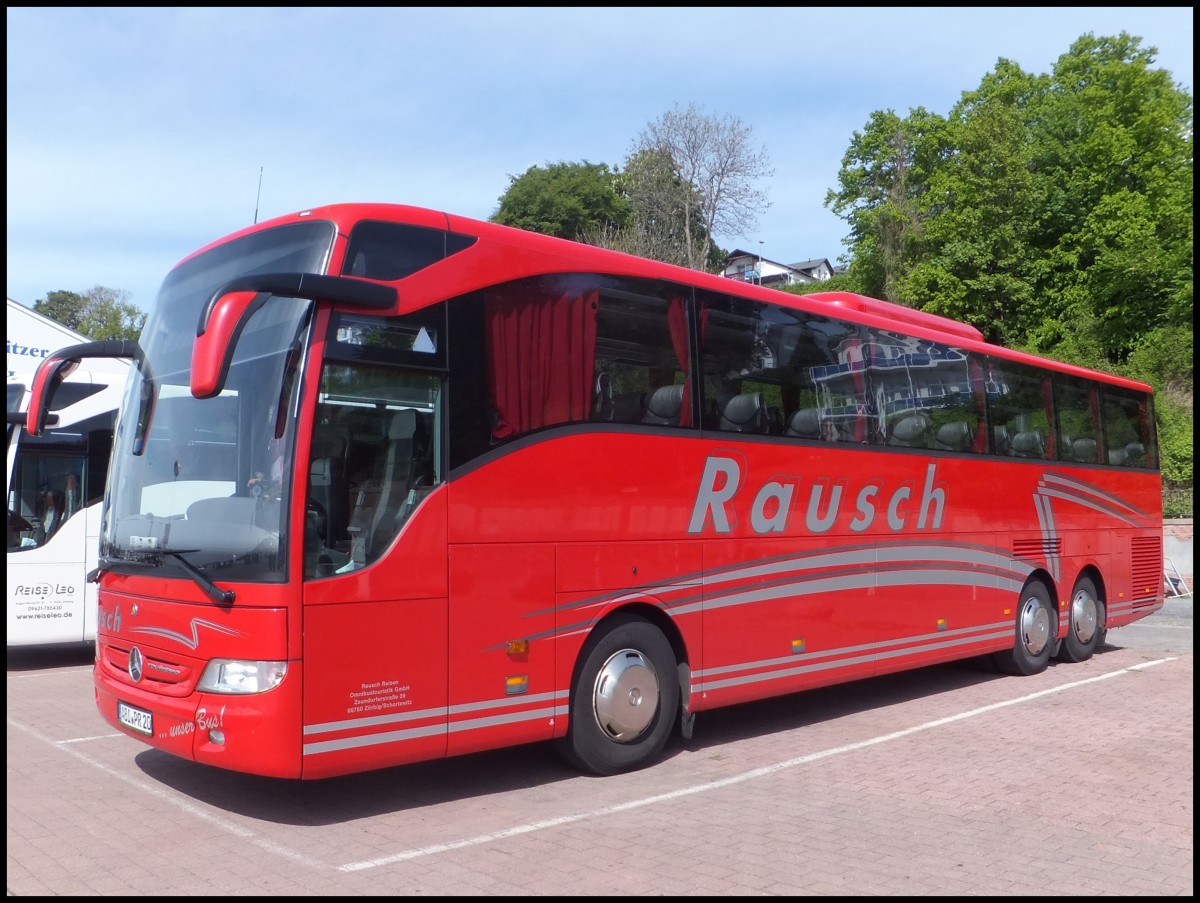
624 698
1086 623
1037 620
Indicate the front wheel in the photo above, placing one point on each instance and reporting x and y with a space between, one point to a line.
1037 620
623 698
1087 623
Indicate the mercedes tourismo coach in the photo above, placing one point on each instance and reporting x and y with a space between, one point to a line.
390 484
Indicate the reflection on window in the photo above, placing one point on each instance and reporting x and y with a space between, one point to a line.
575 349
386 335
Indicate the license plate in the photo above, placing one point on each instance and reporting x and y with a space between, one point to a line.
135 719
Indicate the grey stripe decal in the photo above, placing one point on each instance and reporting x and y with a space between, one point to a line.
865 580
1054 476
839 663
438 711
1004 628
860 554
415 733
1046 519
1087 502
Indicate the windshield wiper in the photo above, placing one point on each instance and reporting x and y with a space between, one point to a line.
154 559
214 592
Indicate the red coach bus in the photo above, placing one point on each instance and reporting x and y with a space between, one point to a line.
390 485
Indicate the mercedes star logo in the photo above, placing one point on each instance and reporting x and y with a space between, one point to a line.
135 664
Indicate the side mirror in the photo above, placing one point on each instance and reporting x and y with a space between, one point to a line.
58 365
216 338
231 306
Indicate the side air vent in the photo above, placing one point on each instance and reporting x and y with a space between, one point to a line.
1147 556
1037 549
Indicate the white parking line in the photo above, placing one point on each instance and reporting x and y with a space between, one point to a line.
518 830
174 799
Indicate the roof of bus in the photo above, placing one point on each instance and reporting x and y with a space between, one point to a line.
547 254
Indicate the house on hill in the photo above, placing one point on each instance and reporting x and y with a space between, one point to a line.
747 267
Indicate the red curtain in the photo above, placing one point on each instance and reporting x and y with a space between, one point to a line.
677 323
979 391
1052 449
542 356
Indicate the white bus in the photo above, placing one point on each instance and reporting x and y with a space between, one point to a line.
55 488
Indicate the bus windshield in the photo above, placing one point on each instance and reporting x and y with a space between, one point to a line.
203 483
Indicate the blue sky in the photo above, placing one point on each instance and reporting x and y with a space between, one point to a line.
136 136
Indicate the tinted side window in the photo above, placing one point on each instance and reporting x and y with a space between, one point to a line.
643 357
1018 415
380 250
1076 409
1129 437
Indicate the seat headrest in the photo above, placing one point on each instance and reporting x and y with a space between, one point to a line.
665 403
1084 450
1028 444
744 413
403 425
955 435
805 423
911 426
602 398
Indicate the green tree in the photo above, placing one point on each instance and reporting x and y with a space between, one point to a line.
1163 358
838 282
99 313
1112 149
883 180
972 259
1052 212
688 177
566 200
1042 205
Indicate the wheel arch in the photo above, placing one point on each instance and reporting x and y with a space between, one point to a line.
647 609
1042 576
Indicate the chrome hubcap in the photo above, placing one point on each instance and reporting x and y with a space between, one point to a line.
625 697
1084 616
1035 626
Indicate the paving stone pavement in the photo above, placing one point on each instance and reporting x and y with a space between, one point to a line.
952 780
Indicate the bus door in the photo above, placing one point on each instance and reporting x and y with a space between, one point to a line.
375 591
49 541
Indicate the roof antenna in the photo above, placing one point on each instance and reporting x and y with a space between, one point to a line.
258 196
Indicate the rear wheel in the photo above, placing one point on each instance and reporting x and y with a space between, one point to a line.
624 699
1036 622
1087 623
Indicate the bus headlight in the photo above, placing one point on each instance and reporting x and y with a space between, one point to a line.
224 675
